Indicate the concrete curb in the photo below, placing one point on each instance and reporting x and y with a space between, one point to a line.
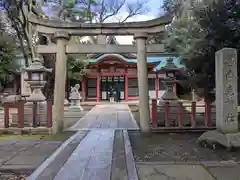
50 159
133 119
131 167
203 163
90 129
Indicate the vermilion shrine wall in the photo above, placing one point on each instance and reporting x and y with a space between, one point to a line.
96 83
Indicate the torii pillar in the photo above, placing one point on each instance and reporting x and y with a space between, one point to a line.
60 81
143 82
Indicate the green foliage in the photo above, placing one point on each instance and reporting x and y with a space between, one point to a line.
183 36
7 54
77 67
211 27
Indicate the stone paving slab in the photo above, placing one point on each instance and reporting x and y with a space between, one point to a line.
25 154
91 160
173 172
42 153
107 116
225 173
52 169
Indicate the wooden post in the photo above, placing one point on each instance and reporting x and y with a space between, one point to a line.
98 88
126 87
193 117
20 114
49 113
154 113
6 115
208 114
83 90
157 86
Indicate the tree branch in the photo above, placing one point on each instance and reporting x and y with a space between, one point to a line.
135 9
114 10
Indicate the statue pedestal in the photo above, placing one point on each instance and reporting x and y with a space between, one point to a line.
75 105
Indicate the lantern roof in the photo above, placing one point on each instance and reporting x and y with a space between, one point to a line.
171 64
36 66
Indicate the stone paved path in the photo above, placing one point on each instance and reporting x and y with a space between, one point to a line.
104 153
101 155
91 159
25 154
107 116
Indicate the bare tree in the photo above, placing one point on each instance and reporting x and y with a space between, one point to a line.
103 10
110 8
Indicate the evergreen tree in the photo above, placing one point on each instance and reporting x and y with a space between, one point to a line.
209 27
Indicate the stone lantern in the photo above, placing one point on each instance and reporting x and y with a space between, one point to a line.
170 69
35 79
36 102
169 95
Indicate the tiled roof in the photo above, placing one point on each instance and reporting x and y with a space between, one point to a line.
161 59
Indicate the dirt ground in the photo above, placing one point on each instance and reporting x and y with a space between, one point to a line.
182 147
14 176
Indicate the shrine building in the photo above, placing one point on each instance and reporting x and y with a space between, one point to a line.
110 70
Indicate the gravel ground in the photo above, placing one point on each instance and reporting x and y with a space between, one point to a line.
181 147
13 176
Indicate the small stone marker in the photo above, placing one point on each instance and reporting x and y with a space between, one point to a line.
227 132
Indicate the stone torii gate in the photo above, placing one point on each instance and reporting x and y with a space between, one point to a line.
62 31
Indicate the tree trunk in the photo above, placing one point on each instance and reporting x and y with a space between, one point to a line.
49 62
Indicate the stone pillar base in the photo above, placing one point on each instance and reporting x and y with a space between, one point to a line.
75 108
228 140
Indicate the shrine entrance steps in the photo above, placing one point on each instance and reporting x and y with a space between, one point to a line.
107 116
